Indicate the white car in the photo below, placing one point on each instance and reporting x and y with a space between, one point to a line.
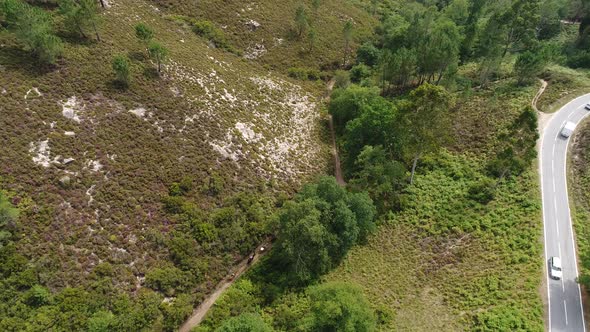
555 268
568 129
587 106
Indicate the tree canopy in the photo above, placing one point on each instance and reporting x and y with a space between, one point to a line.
318 228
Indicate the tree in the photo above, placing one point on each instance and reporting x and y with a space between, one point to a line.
528 65
521 21
425 123
368 54
338 306
319 226
80 16
121 66
346 104
101 321
381 176
144 33
312 38
400 67
376 125
158 53
301 20
347 34
437 50
34 28
246 322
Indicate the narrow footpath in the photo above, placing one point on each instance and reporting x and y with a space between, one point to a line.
337 168
199 313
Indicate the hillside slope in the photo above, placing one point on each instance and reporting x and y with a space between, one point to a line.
95 161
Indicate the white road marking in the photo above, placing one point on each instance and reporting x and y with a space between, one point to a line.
545 231
565 310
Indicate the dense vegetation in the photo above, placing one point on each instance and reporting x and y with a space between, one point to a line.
447 165
171 117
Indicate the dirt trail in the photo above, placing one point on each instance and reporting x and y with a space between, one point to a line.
543 118
337 168
538 95
200 311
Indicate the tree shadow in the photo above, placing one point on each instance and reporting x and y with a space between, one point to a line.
137 56
151 73
16 59
115 85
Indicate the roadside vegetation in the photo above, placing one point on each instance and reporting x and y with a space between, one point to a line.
579 177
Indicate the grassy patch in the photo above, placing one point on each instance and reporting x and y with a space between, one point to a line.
564 85
448 255
579 182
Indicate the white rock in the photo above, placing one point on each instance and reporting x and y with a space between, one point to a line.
140 112
71 109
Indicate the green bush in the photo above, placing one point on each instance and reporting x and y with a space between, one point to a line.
359 72
304 74
168 280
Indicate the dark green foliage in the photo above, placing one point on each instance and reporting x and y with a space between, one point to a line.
80 16
518 150
167 280
483 190
213 184
374 126
339 307
368 54
101 321
246 322
176 312
529 65
34 28
121 67
359 73
382 177
347 104
319 227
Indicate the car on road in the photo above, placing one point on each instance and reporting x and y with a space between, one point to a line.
555 268
568 129
587 106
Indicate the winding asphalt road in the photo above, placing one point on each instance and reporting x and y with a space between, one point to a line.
565 302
